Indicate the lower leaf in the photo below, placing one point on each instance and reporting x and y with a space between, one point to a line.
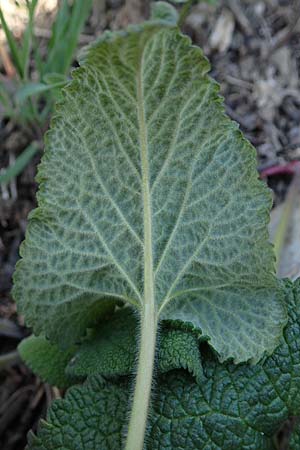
47 360
235 407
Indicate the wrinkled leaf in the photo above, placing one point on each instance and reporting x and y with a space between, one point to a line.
295 439
237 406
149 195
112 350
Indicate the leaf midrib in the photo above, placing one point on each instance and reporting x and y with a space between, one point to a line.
149 298
148 329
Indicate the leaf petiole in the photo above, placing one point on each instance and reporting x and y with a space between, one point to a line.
143 383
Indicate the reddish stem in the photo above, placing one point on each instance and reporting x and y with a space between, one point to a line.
285 169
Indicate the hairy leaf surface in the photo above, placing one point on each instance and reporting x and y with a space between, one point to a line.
237 406
46 360
149 195
112 350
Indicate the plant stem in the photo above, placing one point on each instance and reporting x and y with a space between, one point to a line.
143 383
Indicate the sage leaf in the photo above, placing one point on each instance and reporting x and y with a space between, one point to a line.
149 196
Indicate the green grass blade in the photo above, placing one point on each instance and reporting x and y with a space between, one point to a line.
4 96
15 53
80 13
65 32
54 78
27 38
31 89
57 41
20 163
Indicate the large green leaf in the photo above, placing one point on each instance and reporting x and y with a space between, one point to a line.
149 195
236 407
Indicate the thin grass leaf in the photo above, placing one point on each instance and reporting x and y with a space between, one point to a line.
27 37
20 163
79 15
4 97
54 78
65 33
56 42
31 89
15 53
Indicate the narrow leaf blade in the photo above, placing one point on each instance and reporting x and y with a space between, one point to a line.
15 51
31 89
21 162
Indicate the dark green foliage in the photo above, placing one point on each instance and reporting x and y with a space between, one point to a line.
109 351
295 439
232 407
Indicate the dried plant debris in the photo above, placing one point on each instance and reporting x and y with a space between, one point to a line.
258 70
